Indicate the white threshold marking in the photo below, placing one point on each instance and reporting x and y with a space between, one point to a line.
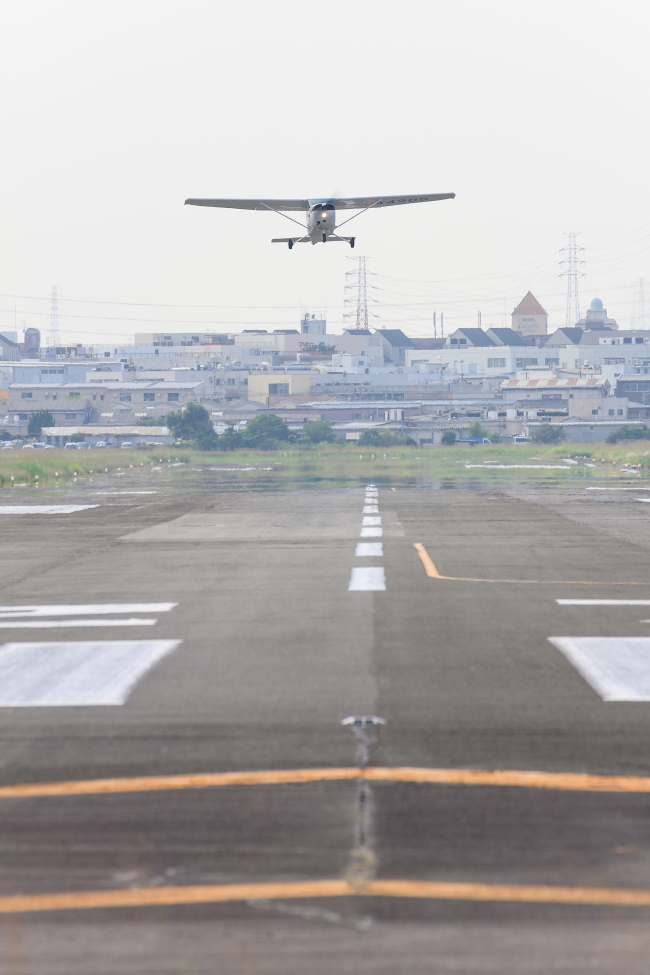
371 533
74 674
369 548
370 520
43 509
618 668
370 509
647 500
50 624
603 602
88 609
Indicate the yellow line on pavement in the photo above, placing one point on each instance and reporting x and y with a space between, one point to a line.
221 893
564 781
432 572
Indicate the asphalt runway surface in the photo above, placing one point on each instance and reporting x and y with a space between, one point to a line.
274 651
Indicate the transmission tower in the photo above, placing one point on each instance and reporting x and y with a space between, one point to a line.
359 284
54 318
572 262
640 319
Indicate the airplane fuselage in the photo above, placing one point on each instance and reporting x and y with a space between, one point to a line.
321 220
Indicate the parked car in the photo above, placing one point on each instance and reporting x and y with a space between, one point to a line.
127 443
102 443
39 446
28 446
70 446
8 446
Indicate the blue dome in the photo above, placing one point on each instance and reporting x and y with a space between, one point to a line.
596 305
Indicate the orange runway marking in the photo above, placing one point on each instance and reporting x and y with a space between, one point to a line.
432 572
564 781
221 893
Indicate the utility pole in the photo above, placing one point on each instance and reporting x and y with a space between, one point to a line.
572 263
435 327
640 319
442 324
479 320
54 318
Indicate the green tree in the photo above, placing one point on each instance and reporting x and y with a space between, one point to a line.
476 430
548 433
193 423
77 438
230 439
629 431
318 431
150 421
384 438
266 432
448 438
38 420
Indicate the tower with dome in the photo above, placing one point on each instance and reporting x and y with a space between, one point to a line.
596 318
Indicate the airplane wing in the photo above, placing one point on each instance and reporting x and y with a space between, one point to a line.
252 204
361 202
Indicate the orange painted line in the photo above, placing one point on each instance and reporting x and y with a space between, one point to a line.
564 781
432 572
154 783
221 893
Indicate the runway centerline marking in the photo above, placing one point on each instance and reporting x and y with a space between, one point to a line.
369 549
432 572
220 893
371 532
504 778
367 578
368 520
97 609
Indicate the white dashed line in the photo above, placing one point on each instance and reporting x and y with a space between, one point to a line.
76 674
97 609
370 509
51 624
371 533
370 578
43 509
370 520
618 668
603 602
369 549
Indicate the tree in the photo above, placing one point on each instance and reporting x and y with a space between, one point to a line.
477 431
384 438
193 423
266 432
230 439
150 421
38 420
448 438
318 431
77 438
548 433
629 431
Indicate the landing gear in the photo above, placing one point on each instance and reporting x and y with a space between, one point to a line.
352 240
324 238
290 244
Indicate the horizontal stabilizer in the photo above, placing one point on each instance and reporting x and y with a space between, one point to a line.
294 240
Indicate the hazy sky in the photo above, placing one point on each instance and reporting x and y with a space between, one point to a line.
113 113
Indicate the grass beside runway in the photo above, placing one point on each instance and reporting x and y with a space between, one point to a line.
333 465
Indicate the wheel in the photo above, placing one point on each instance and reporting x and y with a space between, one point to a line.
290 244
324 238
352 240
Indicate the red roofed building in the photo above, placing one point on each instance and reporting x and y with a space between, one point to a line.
529 318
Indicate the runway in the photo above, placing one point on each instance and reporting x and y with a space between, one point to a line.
253 624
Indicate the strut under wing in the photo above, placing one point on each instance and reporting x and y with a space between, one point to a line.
363 202
252 204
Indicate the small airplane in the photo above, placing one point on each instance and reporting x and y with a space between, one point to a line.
321 214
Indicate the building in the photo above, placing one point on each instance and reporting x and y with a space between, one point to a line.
269 388
596 317
115 436
529 318
9 350
182 339
310 325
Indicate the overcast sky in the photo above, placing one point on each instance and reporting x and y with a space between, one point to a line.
113 113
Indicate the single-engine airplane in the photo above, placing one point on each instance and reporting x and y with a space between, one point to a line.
321 214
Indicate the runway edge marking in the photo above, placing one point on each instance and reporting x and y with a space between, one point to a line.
432 572
562 781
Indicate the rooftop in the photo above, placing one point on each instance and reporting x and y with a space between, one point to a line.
529 305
